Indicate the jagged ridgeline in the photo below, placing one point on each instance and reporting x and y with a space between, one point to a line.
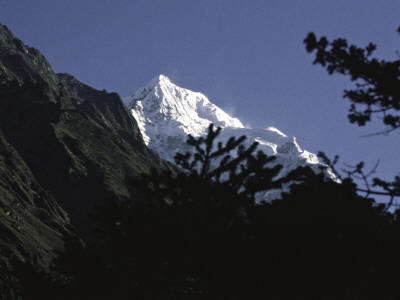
167 113
64 147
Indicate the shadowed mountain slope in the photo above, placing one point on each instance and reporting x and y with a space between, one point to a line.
64 147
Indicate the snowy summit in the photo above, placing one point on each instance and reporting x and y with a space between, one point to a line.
167 113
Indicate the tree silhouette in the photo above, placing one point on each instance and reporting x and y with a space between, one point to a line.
200 235
377 92
377 81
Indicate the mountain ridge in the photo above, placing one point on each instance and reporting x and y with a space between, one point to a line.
64 148
167 113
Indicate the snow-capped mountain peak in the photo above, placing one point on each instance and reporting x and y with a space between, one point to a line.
160 80
164 109
167 113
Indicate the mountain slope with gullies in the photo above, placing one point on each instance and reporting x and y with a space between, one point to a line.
64 148
167 113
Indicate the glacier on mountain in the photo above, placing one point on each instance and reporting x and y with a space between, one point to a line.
167 113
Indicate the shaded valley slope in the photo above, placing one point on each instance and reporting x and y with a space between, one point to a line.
64 147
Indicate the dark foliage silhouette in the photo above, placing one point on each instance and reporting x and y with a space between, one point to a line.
377 81
377 92
200 235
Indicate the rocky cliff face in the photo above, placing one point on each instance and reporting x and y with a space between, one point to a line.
64 147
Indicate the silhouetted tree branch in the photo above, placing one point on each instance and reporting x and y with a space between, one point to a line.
377 93
377 89
389 189
194 237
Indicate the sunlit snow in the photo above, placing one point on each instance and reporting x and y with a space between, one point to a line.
167 113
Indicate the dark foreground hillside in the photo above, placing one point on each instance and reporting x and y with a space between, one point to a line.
64 147
199 238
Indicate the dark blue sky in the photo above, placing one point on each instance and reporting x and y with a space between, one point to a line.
246 56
